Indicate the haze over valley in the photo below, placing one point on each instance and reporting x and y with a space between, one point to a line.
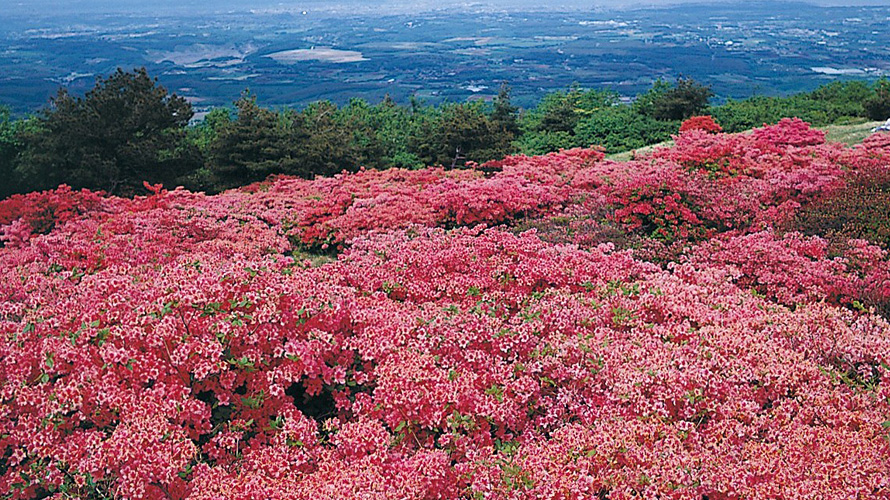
293 53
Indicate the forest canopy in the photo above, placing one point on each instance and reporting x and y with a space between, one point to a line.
129 129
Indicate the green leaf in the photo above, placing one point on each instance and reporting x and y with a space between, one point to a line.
102 336
497 392
254 401
243 362
185 473
276 423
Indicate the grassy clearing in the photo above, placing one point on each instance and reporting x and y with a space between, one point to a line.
316 259
850 134
630 155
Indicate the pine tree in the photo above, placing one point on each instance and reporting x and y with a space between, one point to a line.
124 131
248 148
664 102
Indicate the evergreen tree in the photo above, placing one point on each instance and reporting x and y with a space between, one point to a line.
504 115
327 140
248 148
557 112
382 133
553 123
124 131
665 102
457 133
877 107
9 149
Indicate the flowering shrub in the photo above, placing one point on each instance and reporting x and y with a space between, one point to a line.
660 199
580 226
329 211
659 203
789 132
793 269
704 123
858 210
175 346
766 153
720 155
39 212
877 143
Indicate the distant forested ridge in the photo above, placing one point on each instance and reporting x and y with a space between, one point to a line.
129 130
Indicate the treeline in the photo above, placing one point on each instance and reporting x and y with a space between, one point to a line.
128 129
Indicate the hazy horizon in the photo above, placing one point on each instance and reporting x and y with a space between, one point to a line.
56 8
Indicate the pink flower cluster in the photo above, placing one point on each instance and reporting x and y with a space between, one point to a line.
172 346
878 143
720 181
793 269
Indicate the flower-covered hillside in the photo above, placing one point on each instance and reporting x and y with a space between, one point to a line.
561 326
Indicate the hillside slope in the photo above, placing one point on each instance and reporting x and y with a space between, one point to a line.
663 332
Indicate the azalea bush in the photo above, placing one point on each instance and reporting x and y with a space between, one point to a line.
858 210
794 269
703 122
41 212
660 202
540 327
326 212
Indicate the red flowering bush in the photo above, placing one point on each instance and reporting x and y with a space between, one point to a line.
720 155
659 202
177 345
40 212
765 150
580 226
665 201
327 212
789 132
704 123
877 143
858 210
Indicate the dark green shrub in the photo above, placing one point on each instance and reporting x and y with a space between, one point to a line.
620 128
671 103
877 106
